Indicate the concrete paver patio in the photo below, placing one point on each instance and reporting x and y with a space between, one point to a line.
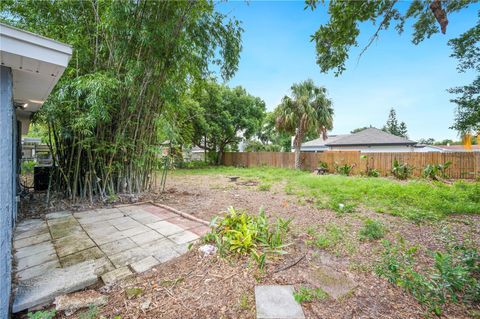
120 241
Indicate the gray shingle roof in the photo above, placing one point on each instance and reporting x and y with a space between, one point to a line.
321 142
371 136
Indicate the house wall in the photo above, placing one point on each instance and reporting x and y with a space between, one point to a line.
8 170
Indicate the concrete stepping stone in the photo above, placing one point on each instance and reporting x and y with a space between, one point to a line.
183 237
84 255
144 264
334 283
116 275
21 243
277 302
44 288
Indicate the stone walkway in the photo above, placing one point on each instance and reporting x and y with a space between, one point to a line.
121 241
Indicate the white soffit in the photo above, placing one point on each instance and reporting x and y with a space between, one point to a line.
37 63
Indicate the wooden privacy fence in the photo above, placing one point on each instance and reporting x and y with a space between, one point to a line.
465 165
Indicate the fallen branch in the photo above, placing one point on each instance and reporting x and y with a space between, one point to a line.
290 266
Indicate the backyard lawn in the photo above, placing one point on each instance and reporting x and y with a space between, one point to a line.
415 199
356 247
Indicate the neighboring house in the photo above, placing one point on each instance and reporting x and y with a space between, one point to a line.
193 154
31 65
457 148
34 150
367 141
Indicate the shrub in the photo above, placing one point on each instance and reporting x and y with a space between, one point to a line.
372 172
27 167
322 164
452 278
342 208
308 294
243 234
372 230
401 170
436 171
45 314
344 169
193 164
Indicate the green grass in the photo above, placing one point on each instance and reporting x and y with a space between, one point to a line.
308 294
417 200
372 230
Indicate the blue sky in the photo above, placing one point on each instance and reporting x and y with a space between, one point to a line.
277 52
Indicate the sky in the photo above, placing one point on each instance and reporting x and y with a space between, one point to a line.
393 72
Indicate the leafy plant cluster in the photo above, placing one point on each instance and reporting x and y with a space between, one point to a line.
42 314
436 171
372 230
344 169
27 167
304 294
239 233
401 170
132 63
454 276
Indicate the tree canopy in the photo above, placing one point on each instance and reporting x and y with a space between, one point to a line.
307 109
132 62
226 116
393 127
339 35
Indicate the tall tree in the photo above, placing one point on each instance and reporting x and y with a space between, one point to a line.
131 63
340 34
308 108
393 127
228 116
466 48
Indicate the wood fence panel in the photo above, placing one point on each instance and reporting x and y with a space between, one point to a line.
465 165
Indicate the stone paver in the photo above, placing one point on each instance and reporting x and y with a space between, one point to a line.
129 256
114 240
333 282
183 237
37 270
35 259
165 228
277 302
116 275
20 243
144 264
46 287
118 246
34 249
84 255
146 237
72 244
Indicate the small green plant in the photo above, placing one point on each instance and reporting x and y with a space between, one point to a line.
243 234
332 235
372 230
244 302
401 170
344 169
436 171
45 314
323 165
372 172
28 166
452 278
264 187
305 294
91 313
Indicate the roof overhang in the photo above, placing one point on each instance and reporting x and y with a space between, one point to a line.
37 64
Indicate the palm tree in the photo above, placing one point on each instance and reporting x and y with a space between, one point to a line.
308 109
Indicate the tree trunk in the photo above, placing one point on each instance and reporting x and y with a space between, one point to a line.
297 143
298 163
